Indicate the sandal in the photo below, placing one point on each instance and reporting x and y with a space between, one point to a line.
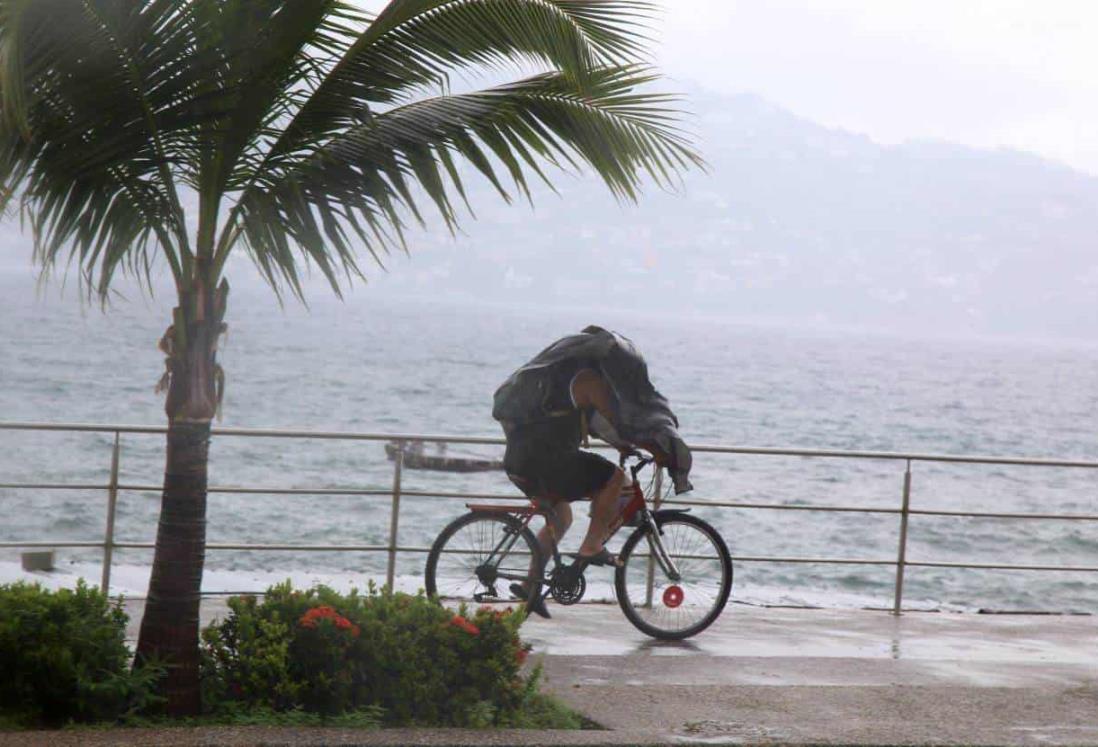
537 606
602 557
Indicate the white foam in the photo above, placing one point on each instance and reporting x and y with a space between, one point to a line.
132 581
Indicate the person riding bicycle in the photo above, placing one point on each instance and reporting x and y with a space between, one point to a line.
591 383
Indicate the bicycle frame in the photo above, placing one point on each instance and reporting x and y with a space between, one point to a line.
648 520
525 513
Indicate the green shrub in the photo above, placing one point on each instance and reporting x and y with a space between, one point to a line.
63 658
541 711
328 653
239 714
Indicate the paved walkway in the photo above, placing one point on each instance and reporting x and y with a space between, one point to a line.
836 677
777 676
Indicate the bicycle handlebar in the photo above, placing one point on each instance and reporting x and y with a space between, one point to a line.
642 462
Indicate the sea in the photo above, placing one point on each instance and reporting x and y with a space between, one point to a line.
379 363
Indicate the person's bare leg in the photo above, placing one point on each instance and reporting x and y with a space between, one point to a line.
561 518
604 505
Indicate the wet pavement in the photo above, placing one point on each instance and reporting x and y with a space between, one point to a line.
833 676
798 676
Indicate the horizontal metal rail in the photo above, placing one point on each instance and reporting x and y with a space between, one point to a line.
1003 566
491 440
874 510
269 491
905 511
1001 515
46 543
503 497
54 486
783 506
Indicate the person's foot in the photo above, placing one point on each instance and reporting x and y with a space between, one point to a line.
537 606
600 557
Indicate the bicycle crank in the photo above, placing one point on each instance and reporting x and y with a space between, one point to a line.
567 585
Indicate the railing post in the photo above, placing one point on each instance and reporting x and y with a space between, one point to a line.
657 487
112 503
394 517
901 553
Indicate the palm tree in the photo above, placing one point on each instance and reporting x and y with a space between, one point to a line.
141 133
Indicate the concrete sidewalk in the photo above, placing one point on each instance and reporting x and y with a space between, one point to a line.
766 676
831 676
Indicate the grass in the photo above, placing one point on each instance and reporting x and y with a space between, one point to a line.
542 711
366 718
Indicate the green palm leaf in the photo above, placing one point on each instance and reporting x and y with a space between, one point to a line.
414 43
306 117
364 177
100 101
304 131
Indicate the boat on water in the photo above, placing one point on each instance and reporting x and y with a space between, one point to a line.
415 457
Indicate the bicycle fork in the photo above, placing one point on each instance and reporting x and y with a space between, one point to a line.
654 536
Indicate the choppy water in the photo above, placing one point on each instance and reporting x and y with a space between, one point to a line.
415 366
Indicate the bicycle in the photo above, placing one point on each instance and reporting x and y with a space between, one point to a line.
673 587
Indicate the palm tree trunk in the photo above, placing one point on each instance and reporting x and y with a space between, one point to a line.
169 629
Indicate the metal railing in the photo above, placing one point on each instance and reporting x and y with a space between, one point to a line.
113 487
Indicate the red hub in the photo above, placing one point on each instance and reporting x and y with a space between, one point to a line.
672 596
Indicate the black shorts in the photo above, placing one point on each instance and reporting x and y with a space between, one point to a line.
556 474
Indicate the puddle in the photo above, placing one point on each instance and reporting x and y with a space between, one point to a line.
711 731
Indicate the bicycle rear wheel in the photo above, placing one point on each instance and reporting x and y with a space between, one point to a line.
478 556
674 608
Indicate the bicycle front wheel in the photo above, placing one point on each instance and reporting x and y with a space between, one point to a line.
674 608
478 556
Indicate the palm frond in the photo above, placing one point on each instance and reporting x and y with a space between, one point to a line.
367 178
413 43
264 52
306 112
100 98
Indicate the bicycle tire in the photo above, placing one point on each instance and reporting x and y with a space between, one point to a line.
451 531
723 587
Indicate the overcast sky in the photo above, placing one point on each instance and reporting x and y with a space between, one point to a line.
1017 73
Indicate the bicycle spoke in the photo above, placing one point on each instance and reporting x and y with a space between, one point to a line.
479 543
697 595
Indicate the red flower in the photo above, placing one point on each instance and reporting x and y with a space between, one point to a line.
460 622
312 618
520 656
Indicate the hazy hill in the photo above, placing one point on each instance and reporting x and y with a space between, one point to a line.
798 223
793 223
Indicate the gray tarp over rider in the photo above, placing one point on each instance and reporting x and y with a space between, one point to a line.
594 383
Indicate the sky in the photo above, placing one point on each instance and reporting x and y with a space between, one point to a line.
1000 73
1007 73
986 73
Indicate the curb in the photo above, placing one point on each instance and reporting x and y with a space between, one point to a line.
241 736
